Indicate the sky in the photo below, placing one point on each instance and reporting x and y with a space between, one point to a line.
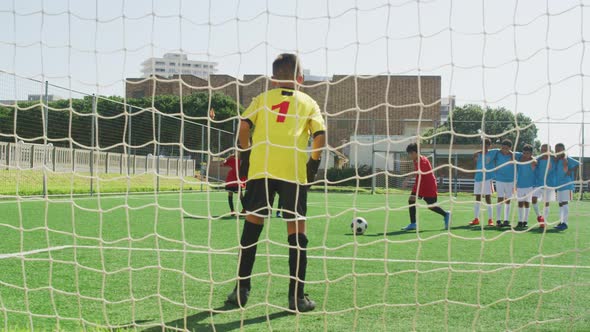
529 56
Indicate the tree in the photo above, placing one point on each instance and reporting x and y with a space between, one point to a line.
470 121
70 120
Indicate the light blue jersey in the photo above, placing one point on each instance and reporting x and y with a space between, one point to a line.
505 164
525 176
489 165
545 173
564 181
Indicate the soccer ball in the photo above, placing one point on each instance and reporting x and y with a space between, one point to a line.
359 225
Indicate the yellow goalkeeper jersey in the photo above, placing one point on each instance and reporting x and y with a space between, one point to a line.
283 120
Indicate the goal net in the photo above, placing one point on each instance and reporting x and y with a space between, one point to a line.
117 119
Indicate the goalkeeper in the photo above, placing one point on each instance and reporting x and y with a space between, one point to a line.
282 120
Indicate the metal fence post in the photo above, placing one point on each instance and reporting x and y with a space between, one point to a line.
45 136
158 153
32 157
106 163
129 140
92 143
8 147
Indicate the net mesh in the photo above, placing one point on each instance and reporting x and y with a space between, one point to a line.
113 213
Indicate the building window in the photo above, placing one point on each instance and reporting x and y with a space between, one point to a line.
160 70
160 63
172 64
197 66
205 66
186 64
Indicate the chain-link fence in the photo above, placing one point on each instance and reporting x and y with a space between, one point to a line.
47 129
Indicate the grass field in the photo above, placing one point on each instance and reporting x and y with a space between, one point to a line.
145 261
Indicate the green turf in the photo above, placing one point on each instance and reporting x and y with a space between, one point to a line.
30 182
144 261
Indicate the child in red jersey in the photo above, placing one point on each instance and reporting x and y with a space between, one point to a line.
232 185
424 187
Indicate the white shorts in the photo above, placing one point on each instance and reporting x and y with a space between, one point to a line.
524 194
483 188
564 196
545 194
505 189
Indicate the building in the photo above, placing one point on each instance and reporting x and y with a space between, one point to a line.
356 107
446 106
177 64
31 97
314 78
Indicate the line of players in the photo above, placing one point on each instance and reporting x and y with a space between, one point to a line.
548 177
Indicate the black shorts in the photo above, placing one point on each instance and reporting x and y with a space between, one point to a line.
260 194
233 189
428 200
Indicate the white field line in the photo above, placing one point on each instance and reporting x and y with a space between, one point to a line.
380 260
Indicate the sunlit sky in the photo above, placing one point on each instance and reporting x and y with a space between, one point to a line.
530 56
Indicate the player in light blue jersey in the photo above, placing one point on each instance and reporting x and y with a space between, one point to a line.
505 177
483 186
525 175
544 183
565 169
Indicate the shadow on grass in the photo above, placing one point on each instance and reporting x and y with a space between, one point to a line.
400 232
224 217
197 322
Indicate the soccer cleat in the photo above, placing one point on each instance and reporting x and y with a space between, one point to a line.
303 304
525 225
240 300
499 224
278 214
506 224
410 227
233 213
447 219
490 222
540 219
541 225
561 227
519 225
475 222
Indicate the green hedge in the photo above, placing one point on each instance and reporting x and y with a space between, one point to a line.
350 176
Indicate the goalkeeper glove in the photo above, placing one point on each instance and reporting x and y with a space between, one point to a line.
244 164
312 169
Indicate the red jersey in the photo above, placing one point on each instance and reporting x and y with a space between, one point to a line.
425 185
231 179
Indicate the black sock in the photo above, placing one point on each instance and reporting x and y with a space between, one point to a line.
297 286
413 213
438 210
247 255
230 201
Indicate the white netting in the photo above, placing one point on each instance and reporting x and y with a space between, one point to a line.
116 117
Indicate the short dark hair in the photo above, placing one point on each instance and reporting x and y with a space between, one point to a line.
507 142
487 142
561 145
527 148
412 147
286 67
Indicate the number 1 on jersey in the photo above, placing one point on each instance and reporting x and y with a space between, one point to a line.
283 109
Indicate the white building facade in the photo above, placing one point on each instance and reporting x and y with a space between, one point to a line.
177 64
